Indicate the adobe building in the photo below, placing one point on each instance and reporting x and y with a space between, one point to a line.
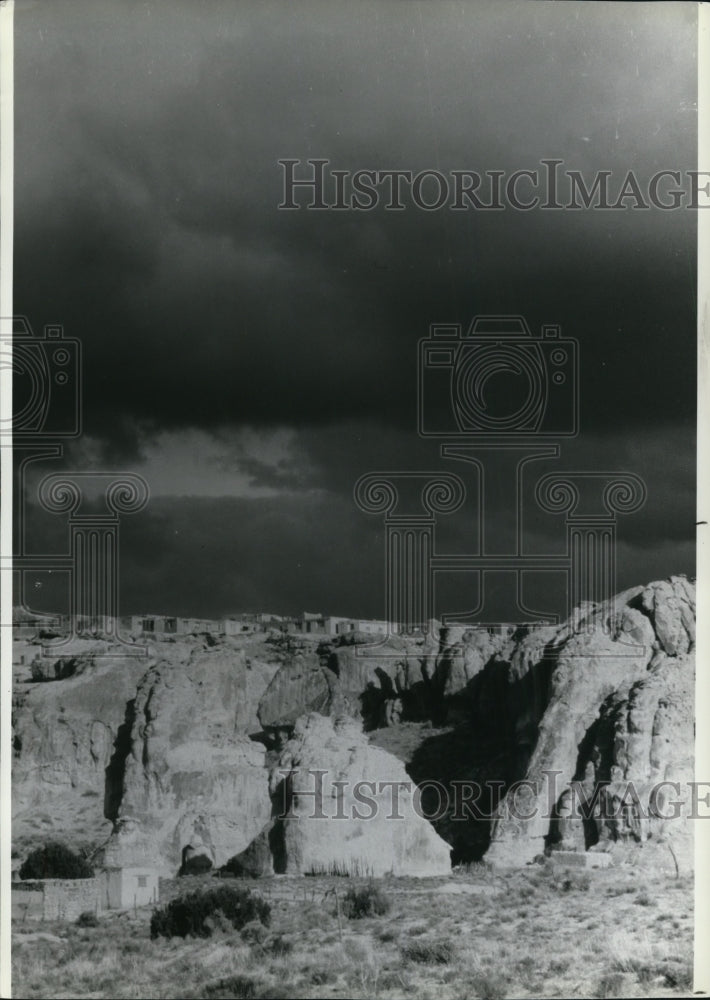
128 887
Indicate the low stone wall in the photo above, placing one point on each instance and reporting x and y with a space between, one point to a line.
62 898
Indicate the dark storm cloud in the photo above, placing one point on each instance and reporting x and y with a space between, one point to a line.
147 217
147 185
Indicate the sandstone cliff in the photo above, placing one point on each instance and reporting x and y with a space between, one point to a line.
619 711
190 776
99 735
64 733
168 750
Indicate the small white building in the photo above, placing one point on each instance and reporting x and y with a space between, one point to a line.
129 887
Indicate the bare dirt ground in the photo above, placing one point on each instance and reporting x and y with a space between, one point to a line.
536 932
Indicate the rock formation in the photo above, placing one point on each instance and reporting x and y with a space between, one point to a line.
168 750
63 737
619 720
333 797
301 685
99 734
188 775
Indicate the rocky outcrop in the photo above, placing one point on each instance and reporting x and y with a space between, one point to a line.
335 791
379 680
168 749
301 685
190 776
77 725
618 721
382 679
464 653
63 738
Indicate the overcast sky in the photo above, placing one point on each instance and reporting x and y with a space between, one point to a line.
252 363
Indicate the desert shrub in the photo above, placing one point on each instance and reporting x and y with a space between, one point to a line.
610 985
574 881
369 901
197 914
87 919
439 952
395 979
620 890
241 987
678 977
55 860
198 864
489 986
254 932
279 945
321 977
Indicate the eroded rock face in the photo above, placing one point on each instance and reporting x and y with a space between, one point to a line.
333 756
147 738
301 685
379 680
620 711
64 733
464 653
159 745
387 679
191 776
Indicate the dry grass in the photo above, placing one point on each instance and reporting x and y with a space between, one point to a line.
478 934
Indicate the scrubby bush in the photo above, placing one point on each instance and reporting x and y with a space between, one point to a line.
573 882
610 985
489 985
242 987
254 933
87 919
196 914
278 945
239 986
439 952
55 860
369 901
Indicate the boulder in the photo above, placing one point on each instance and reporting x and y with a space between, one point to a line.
332 823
